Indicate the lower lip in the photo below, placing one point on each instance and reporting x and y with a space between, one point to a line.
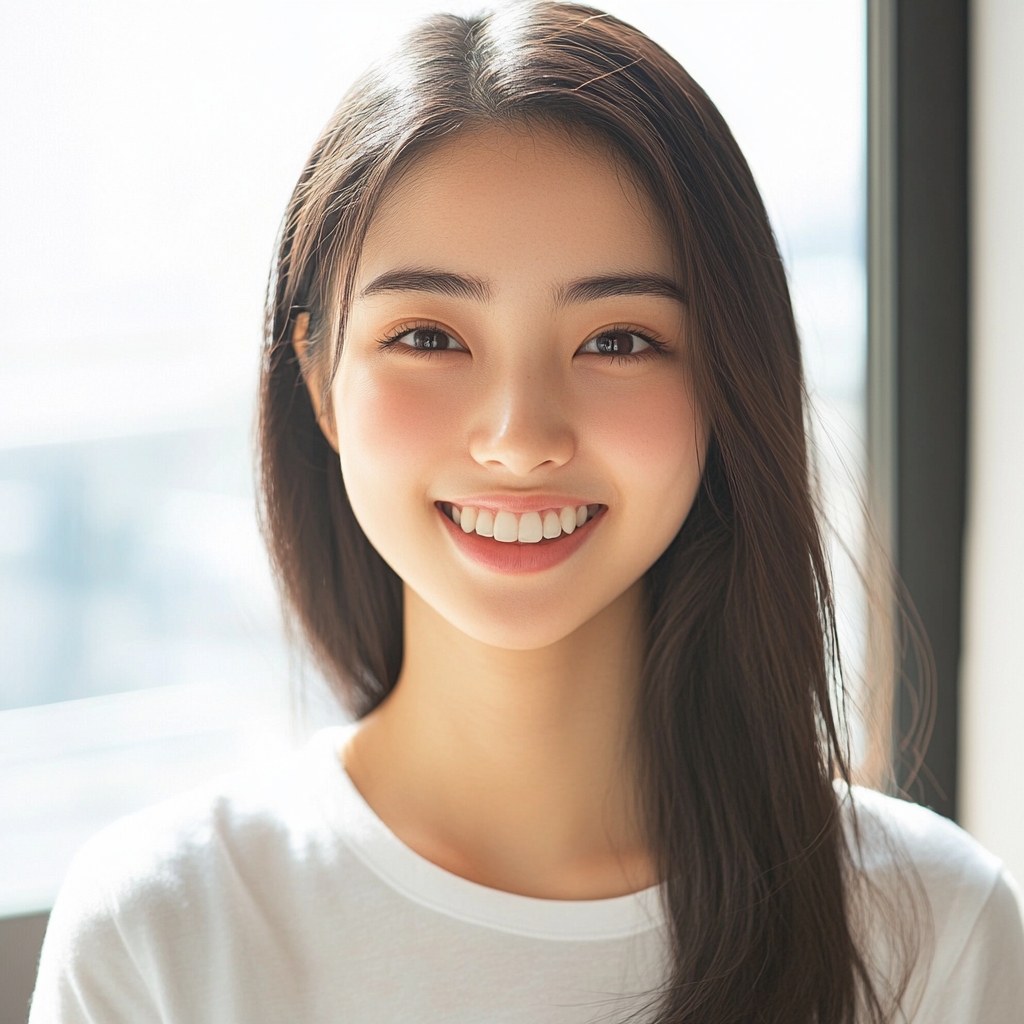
518 559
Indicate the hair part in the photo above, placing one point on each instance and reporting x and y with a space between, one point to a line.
736 730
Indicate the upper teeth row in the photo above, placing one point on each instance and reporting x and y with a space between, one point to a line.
528 528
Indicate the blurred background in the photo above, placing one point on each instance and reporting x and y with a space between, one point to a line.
150 150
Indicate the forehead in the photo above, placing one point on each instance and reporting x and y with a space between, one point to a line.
518 202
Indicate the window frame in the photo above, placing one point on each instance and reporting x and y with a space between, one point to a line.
918 343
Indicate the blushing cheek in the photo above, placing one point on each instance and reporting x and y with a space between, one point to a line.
391 429
651 437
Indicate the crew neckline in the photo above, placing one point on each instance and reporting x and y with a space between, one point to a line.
423 882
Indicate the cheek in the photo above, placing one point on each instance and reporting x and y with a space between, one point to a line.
652 437
390 429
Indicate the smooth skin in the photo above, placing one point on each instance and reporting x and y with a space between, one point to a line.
503 753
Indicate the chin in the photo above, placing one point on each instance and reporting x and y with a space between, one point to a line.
527 633
520 623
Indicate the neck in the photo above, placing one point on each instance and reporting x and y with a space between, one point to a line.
513 768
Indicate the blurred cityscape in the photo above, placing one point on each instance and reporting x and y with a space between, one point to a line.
132 562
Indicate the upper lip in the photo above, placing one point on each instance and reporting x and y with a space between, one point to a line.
521 502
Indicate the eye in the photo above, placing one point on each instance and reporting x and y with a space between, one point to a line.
616 343
428 339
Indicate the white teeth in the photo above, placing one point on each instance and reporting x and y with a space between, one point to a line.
506 529
485 523
530 529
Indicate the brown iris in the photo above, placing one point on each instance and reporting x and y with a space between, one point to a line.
431 340
614 343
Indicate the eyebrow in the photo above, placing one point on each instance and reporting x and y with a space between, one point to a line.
440 283
587 289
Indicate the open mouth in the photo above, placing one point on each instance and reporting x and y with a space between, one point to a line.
539 527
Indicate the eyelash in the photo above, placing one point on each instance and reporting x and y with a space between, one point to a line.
390 340
657 347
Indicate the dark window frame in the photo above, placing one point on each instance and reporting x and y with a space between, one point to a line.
917 361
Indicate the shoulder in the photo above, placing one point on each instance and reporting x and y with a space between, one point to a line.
952 896
259 813
248 829
905 848
178 885
887 834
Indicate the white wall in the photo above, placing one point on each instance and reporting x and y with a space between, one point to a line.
992 764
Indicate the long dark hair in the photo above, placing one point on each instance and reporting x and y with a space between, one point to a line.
736 730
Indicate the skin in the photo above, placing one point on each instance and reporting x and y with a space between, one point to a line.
503 753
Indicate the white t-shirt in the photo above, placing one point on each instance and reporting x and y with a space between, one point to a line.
280 896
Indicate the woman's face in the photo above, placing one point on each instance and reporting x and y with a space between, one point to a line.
516 346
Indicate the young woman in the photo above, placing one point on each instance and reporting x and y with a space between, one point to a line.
536 487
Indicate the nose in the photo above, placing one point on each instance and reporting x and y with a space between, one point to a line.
524 425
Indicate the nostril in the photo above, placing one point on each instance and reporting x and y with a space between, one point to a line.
524 445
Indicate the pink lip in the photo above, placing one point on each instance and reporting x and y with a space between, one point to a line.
519 503
518 559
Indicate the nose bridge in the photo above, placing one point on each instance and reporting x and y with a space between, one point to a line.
525 422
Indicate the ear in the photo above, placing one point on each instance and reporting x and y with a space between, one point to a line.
300 342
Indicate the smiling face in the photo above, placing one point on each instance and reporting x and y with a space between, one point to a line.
515 364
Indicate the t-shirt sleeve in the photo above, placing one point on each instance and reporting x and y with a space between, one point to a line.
986 983
87 974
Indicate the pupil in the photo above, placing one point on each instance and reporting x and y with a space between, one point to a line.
430 339
615 343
